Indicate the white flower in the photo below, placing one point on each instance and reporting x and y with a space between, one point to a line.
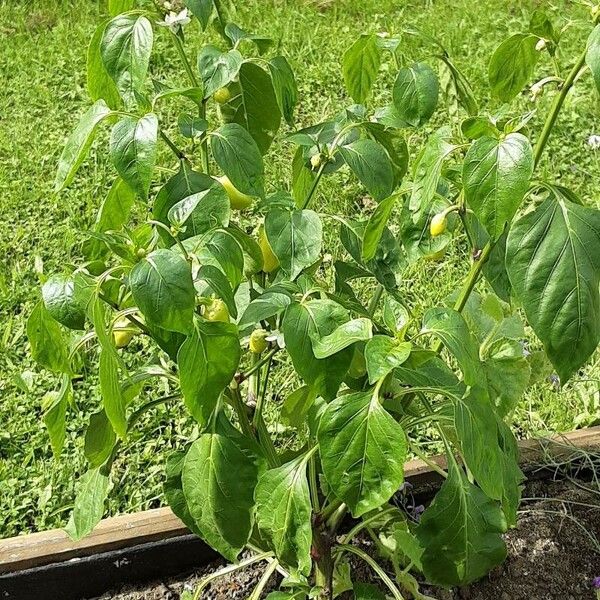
594 142
541 44
277 337
536 90
174 21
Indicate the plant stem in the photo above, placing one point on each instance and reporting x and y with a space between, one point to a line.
135 417
202 107
264 580
323 563
428 462
241 410
375 300
266 358
186 63
177 241
204 142
176 151
473 276
556 107
254 383
373 564
266 442
365 523
229 569
313 483
313 187
131 318
330 509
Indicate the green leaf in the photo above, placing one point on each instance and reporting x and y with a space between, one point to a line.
257 111
555 273
201 9
376 225
296 405
99 83
133 151
78 144
300 322
219 476
302 177
48 346
367 591
485 443
253 257
219 284
383 354
342 337
362 451
462 87
220 249
125 49
237 154
207 362
284 84
55 405
460 532
477 432
99 439
428 168
65 301
201 212
415 94
395 146
360 65
507 372
296 238
236 34
476 127
283 513
191 127
89 503
541 25
416 235
112 215
512 65
112 396
217 68
162 288
183 184
450 327
395 315
371 163
496 175
173 490
592 57
267 305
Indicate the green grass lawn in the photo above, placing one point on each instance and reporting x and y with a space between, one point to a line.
42 71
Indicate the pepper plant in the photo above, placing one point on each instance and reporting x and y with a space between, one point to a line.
221 276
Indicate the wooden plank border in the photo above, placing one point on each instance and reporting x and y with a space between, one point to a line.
126 531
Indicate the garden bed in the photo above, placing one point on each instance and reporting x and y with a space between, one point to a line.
551 553
549 557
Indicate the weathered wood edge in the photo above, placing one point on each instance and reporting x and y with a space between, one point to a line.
128 530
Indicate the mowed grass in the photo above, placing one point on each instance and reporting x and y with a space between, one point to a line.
42 70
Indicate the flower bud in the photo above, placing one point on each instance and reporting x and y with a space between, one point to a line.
258 341
315 161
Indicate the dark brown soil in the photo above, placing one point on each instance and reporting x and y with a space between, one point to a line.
554 554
